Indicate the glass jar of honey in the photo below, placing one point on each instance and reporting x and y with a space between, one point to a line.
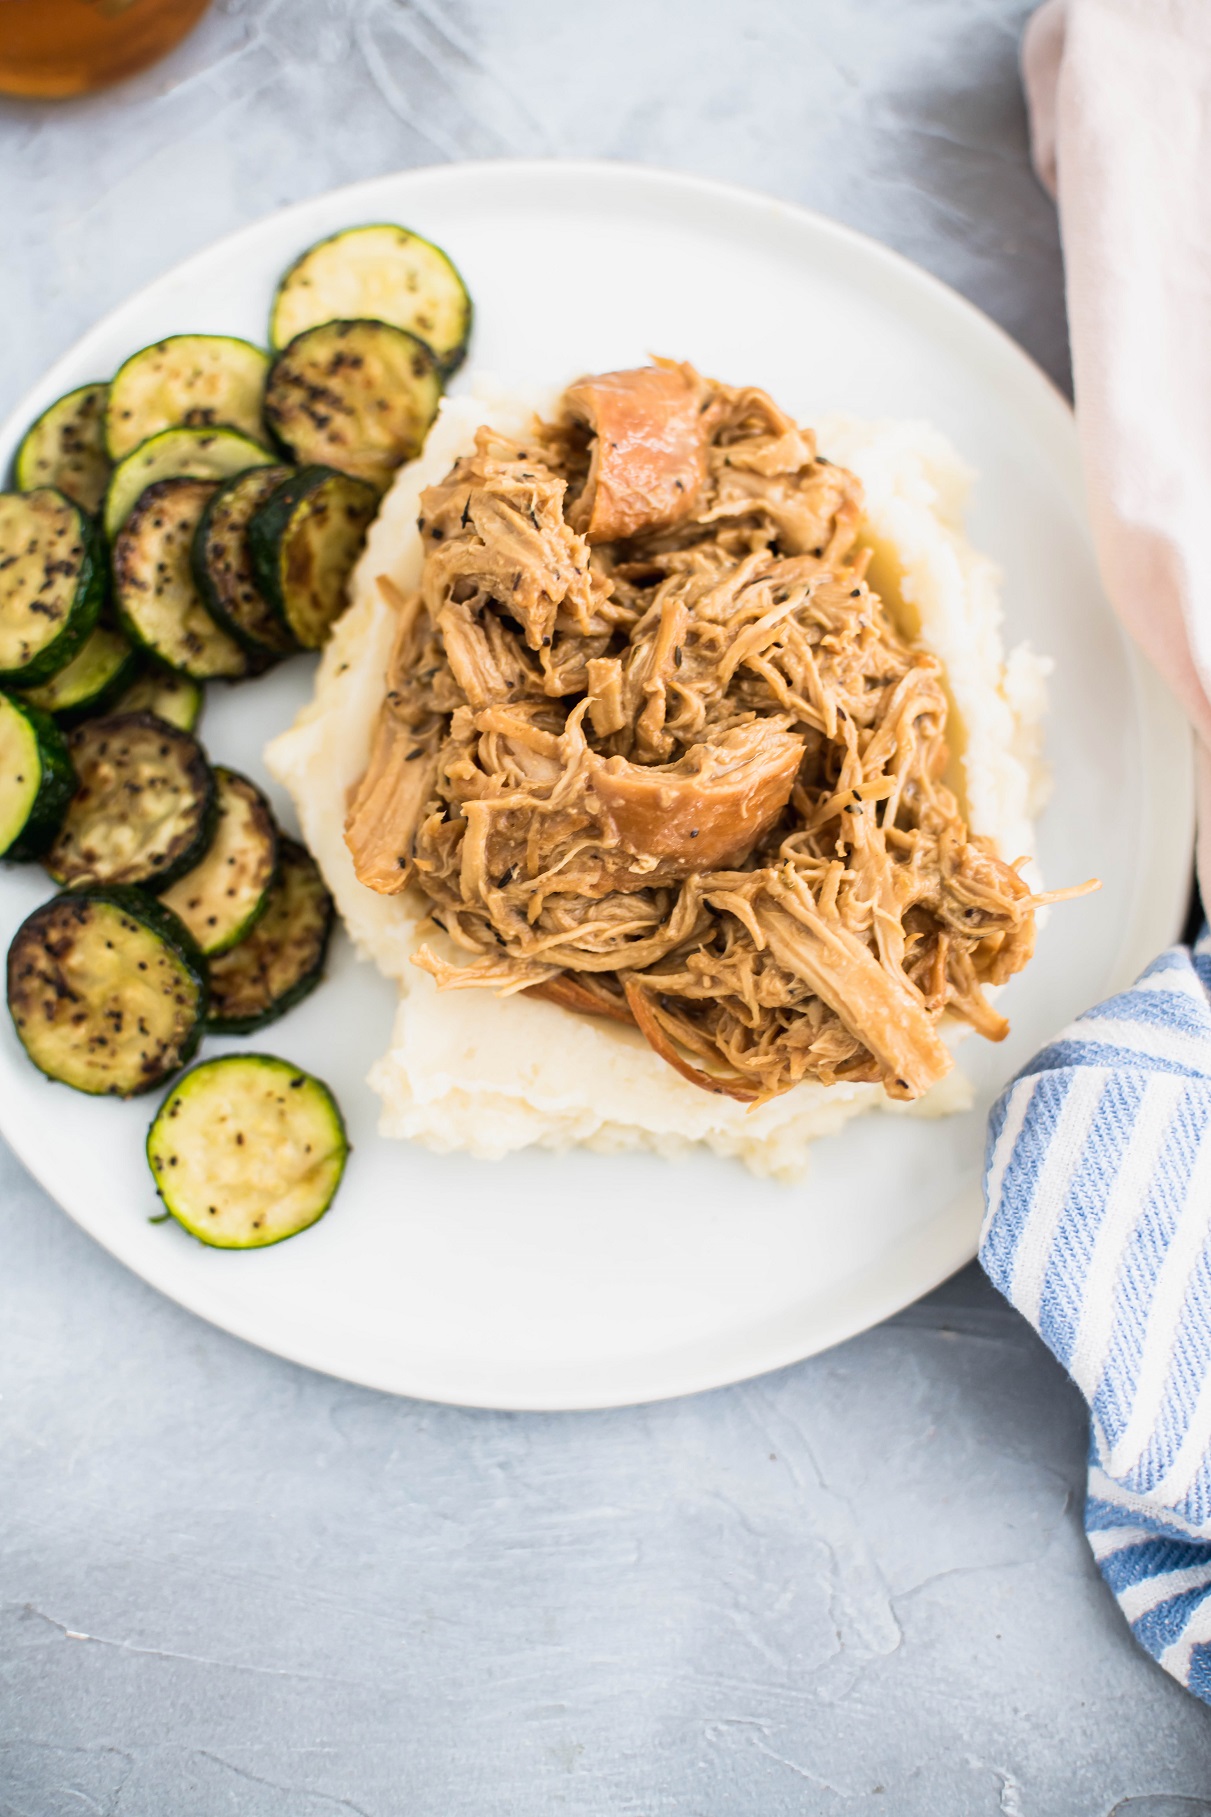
52 48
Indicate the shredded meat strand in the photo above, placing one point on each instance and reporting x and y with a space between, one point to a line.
653 749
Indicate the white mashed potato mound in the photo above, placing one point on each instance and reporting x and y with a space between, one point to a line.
487 1074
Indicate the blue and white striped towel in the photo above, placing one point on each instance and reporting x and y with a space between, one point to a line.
1098 1228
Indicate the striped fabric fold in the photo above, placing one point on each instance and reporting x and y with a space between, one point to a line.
1098 1229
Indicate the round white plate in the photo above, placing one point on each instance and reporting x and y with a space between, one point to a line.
577 1280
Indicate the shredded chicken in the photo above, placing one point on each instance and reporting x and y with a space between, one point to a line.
653 748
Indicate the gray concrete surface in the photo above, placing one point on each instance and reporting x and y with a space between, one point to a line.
229 1586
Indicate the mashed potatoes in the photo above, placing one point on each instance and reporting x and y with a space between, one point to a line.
468 1070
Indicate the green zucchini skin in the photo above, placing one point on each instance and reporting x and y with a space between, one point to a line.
247 1150
380 272
195 381
185 453
224 896
282 960
166 695
223 566
357 396
102 667
65 448
49 553
37 778
144 811
304 541
107 991
155 589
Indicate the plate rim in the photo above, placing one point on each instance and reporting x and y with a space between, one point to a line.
947 1241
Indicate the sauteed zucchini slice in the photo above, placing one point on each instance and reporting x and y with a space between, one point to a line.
223 896
223 567
107 991
178 454
36 778
282 959
382 273
52 582
155 590
65 448
247 1150
145 807
357 396
304 541
95 676
171 697
200 381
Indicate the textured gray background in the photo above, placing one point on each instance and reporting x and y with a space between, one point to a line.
229 1586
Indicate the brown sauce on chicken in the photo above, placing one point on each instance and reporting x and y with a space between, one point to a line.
652 748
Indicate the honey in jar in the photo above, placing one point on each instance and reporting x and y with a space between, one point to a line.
52 48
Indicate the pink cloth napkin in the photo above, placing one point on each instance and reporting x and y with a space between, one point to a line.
1120 115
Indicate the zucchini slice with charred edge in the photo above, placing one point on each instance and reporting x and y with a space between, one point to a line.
282 959
166 694
223 897
357 396
304 541
65 448
380 273
247 1150
52 581
36 778
155 592
178 454
95 676
196 381
222 563
107 991
144 809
